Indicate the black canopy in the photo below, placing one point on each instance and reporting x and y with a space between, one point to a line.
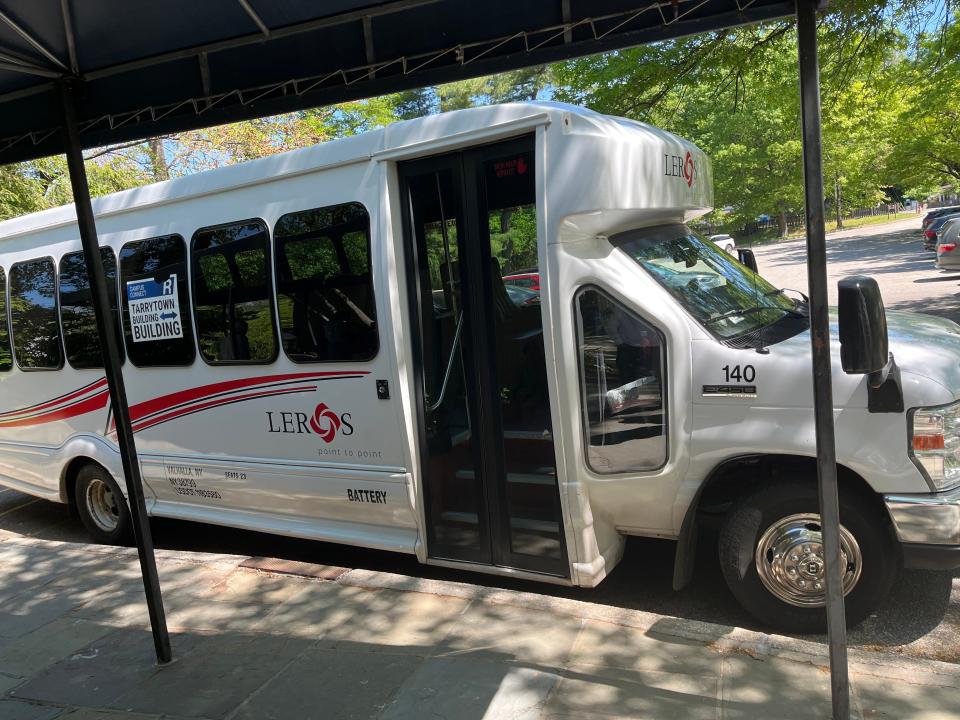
156 67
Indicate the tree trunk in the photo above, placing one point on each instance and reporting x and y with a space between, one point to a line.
158 160
781 220
836 202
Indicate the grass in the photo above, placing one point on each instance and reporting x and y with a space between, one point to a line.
772 236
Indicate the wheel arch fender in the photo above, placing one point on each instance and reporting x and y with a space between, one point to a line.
81 450
733 477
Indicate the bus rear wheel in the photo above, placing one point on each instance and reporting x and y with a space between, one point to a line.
771 554
102 507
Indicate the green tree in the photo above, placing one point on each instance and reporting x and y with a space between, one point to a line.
927 134
735 94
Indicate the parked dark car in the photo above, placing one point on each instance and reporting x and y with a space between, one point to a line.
937 213
933 230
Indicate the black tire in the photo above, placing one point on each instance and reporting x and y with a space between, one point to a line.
760 509
95 486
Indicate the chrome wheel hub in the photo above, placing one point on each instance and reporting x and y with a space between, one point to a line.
791 563
103 507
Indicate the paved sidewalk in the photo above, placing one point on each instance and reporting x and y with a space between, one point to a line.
255 645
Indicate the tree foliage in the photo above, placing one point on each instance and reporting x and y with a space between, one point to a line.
927 141
735 94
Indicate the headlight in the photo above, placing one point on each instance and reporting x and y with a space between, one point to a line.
935 444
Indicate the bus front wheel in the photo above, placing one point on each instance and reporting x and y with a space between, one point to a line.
771 554
102 507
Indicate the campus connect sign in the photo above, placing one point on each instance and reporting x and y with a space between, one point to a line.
681 166
154 309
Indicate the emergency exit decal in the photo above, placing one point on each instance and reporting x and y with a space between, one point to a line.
154 309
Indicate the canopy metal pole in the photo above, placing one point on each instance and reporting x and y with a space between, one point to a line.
820 344
112 367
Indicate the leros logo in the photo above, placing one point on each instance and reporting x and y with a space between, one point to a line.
680 166
325 423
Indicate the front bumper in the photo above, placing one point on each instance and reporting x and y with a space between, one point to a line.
928 527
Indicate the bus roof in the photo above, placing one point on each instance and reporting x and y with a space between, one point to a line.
349 150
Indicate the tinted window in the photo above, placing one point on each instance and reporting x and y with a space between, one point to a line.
76 308
324 284
153 285
33 309
232 295
621 382
6 359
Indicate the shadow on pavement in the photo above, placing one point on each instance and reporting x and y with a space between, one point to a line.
642 581
942 278
250 646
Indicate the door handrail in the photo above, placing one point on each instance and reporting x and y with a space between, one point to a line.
454 349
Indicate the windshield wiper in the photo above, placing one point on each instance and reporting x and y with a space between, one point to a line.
750 311
784 291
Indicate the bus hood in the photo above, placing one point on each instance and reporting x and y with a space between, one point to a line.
926 349
924 345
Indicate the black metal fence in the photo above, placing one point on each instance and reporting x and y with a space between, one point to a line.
795 221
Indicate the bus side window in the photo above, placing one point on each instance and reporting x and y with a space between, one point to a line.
33 305
621 384
6 359
76 309
325 285
232 297
153 276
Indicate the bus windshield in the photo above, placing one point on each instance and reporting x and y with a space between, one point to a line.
727 298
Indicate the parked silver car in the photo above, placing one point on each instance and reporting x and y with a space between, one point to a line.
948 256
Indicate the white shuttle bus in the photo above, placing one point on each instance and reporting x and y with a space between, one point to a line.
320 344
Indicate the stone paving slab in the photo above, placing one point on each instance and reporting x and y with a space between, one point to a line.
343 683
470 689
37 650
19 710
594 691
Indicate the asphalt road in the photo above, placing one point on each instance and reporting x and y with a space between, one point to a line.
921 617
892 253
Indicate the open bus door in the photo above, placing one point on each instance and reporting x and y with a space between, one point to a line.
487 448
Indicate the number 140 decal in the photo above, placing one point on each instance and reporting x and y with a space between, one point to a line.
738 374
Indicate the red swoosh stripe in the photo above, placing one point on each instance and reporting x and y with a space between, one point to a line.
149 413
158 420
149 407
57 401
94 402
190 400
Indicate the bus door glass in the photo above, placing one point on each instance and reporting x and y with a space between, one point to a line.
487 442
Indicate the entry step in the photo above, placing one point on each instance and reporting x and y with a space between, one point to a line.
539 526
517 478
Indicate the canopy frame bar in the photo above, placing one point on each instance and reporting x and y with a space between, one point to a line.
822 364
257 37
255 16
112 365
71 38
31 40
